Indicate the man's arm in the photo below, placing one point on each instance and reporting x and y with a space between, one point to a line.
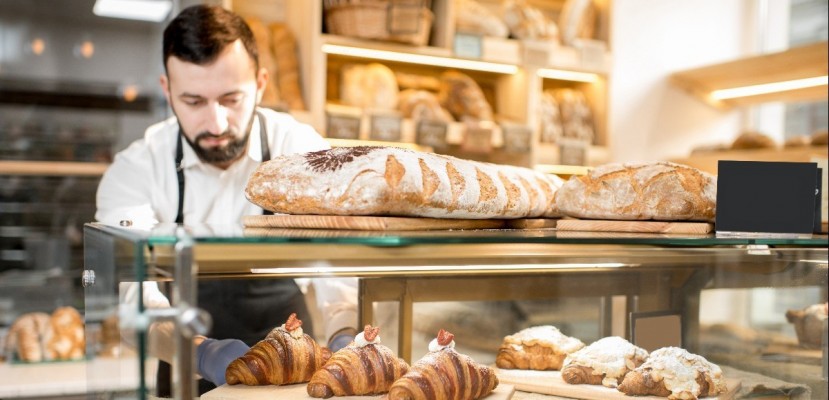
125 191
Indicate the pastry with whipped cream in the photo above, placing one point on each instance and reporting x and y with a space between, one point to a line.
676 374
539 348
364 367
604 362
444 374
286 355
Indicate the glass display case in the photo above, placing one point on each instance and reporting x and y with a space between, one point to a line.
725 298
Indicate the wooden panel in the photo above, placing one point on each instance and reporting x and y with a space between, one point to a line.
550 382
366 222
797 63
708 161
634 226
298 392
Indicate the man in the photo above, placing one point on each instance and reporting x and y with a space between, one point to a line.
193 168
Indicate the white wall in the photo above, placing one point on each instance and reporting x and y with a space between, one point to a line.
650 119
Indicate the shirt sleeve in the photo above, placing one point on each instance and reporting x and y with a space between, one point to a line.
125 190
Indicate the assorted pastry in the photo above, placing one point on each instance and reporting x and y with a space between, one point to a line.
286 355
38 336
676 374
604 362
364 367
444 374
538 348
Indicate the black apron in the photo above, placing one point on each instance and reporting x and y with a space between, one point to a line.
244 309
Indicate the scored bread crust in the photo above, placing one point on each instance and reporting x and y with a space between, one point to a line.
538 348
661 191
393 181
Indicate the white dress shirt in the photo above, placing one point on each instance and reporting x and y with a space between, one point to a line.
141 186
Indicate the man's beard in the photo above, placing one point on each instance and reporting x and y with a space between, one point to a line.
219 155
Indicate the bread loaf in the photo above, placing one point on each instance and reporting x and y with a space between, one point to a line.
753 140
67 341
283 46
422 105
660 191
392 181
266 59
527 22
462 96
369 86
550 118
809 324
474 18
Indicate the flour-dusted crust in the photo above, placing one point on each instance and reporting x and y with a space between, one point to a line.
676 374
661 191
538 348
393 181
604 362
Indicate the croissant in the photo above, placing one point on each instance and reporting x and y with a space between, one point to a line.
363 367
538 348
674 373
444 374
285 356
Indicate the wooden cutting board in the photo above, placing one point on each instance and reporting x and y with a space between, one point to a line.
366 223
550 382
298 392
634 226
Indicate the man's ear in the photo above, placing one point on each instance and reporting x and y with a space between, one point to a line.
165 87
261 82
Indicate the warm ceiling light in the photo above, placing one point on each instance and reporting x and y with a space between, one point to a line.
130 93
324 269
775 87
38 45
564 75
144 10
86 49
422 59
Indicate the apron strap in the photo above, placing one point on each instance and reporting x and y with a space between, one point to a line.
266 156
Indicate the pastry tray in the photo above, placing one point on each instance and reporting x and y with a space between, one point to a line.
298 392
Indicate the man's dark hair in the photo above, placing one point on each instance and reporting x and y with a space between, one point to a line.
199 33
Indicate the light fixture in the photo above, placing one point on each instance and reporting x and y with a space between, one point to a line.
766 88
565 75
422 59
144 10
85 49
38 45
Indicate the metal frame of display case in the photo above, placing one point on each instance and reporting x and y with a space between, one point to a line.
650 272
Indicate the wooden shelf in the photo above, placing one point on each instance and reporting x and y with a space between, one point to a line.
52 168
797 63
708 161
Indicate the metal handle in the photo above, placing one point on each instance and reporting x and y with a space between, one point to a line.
88 278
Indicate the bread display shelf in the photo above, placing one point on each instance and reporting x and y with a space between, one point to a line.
297 392
550 382
699 228
372 223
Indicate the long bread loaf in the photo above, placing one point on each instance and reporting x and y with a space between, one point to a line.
660 191
393 181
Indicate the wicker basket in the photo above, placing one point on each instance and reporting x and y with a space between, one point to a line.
408 21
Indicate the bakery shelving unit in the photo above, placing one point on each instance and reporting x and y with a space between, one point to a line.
629 273
514 95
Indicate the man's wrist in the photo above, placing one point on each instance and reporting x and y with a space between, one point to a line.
344 331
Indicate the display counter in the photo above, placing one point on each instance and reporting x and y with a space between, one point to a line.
549 275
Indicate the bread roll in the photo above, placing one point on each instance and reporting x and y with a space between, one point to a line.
820 138
808 324
661 191
67 341
462 96
798 141
550 118
37 336
392 181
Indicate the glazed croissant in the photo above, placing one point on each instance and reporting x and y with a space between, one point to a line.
363 367
674 373
444 374
285 356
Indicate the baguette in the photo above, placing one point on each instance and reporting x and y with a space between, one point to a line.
393 181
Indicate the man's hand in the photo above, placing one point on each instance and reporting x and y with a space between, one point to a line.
339 341
213 356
